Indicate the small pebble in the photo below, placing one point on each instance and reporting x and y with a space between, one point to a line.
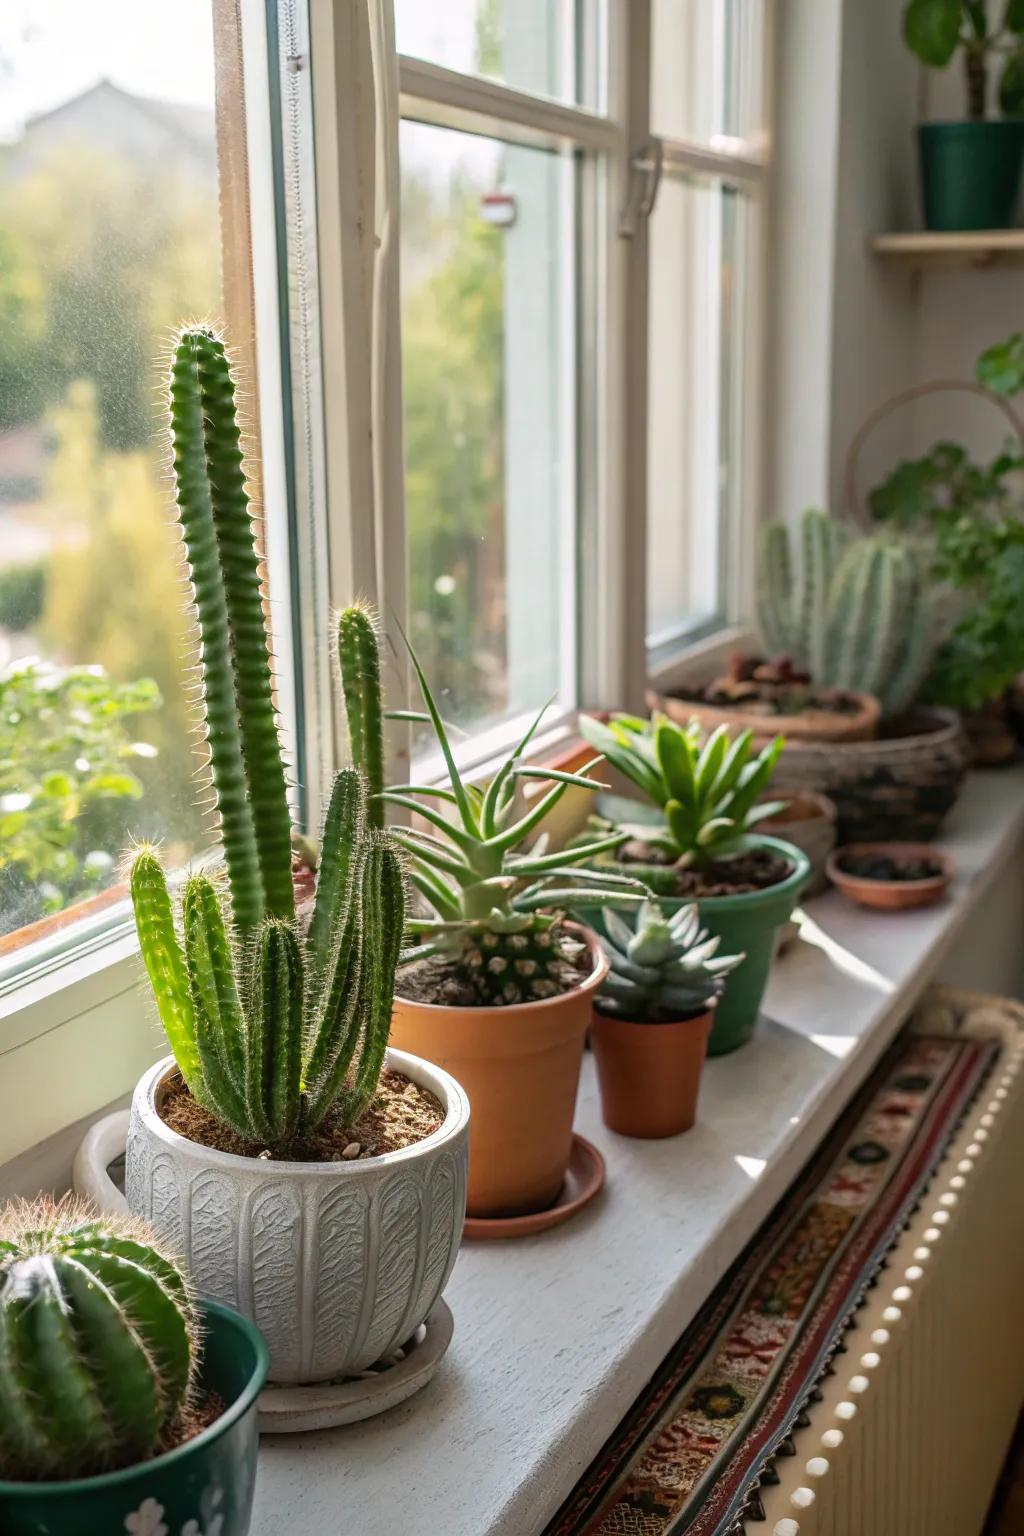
352 1150
264 1156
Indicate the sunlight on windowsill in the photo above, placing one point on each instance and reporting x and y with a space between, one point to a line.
844 961
753 1167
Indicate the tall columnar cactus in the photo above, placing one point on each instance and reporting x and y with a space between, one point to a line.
861 616
97 1338
273 1019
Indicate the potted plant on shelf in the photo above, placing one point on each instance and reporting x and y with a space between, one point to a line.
125 1405
499 986
312 1179
891 877
652 1018
694 839
859 611
808 821
970 170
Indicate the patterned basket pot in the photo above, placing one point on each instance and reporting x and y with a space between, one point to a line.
900 786
336 1263
204 1486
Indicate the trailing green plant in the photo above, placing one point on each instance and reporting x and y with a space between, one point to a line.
935 29
661 967
860 616
22 594
968 517
706 794
98 1334
273 1022
494 908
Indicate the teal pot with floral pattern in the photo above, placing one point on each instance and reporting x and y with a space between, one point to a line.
202 1488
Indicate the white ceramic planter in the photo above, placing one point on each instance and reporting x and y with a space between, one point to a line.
336 1263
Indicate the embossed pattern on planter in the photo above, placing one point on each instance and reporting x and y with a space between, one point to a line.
336 1263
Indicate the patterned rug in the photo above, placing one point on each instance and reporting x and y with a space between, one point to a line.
703 1436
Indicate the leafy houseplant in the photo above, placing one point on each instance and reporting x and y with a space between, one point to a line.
971 170
105 1385
694 837
496 986
652 1017
278 1023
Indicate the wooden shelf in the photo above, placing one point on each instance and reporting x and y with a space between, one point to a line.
924 250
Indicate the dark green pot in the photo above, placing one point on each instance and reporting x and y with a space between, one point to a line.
202 1487
749 923
970 173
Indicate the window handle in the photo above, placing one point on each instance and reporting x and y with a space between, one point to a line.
644 180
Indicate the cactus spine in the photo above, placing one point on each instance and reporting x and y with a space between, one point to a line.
861 618
273 1023
97 1339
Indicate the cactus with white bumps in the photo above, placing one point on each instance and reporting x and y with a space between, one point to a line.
859 618
273 1020
98 1333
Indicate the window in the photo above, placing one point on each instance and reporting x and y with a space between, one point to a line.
707 103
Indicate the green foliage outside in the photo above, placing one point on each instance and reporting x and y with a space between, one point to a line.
969 515
69 782
22 593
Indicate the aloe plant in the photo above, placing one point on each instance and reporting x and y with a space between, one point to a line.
494 905
273 1022
661 967
98 1333
707 795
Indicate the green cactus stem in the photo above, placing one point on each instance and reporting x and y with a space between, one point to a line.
165 965
213 508
97 1340
359 662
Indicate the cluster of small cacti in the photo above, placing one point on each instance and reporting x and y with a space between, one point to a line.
707 792
486 897
98 1335
660 967
272 1021
860 617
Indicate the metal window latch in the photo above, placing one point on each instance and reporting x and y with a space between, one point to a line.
644 180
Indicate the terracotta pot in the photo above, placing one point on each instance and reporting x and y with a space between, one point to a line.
823 725
809 823
520 1066
892 895
649 1073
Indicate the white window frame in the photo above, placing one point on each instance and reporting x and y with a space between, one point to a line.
78 1029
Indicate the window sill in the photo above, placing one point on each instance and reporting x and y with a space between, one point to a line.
555 1335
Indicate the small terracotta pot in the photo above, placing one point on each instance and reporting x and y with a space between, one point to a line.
809 823
891 895
520 1067
824 725
650 1073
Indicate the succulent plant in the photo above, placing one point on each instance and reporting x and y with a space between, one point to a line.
861 616
98 1333
494 908
272 1020
660 967
707 795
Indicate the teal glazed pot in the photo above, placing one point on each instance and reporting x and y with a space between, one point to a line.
202 1488
970 173
748 923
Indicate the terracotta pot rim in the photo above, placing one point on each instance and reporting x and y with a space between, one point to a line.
516 1010
824 808
424 1073
697 1017
895 849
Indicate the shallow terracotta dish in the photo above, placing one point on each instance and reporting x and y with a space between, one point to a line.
584 1178
891 895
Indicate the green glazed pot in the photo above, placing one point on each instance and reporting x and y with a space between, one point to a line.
203 1488
749 923
970 173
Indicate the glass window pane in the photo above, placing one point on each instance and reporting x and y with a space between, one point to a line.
696 280
540 46
108 238
707 69
487 348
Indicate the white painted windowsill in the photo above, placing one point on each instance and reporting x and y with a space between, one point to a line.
555 1335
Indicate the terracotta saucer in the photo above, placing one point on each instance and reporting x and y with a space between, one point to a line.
891 895
584 1178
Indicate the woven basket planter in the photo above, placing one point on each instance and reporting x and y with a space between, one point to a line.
902 786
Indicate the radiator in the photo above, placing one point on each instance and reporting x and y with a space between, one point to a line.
916 1419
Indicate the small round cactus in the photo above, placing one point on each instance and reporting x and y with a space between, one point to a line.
97 1342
